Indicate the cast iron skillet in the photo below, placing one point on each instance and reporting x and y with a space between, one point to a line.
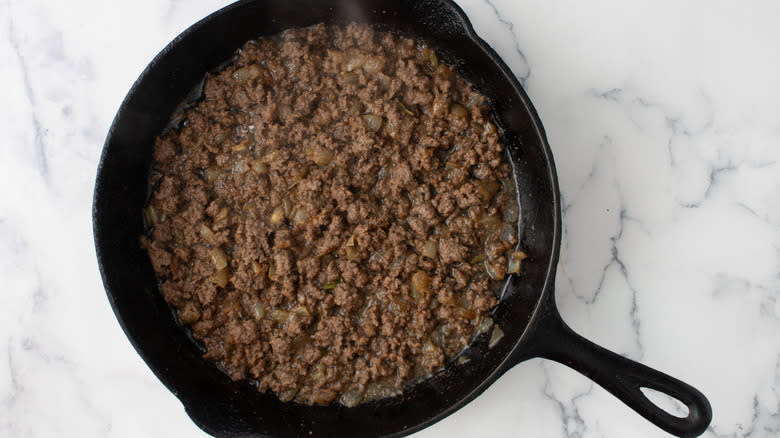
526 313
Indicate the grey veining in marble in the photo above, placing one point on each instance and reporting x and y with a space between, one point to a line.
664 118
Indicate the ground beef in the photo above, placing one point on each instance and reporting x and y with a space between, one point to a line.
333 217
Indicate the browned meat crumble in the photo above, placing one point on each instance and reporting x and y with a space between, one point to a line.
334 216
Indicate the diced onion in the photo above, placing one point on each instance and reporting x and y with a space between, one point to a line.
206 233
257 268
287 395
373 122
377 390
222 214
319 374
188 316
421 282
240 166
392 130
221 277
383 80
244 74
434 60
351 398
485 325
355 60
459 111
300 216
515 261
151 215
474 99
491 223
279 315
336 56
495 336
300 313
272 156
218 257
258 311
374 64
429 249
438 108
350 78
220 138
441 334
211 173
321 156
277 216
325 396
241 75
488 189
355 107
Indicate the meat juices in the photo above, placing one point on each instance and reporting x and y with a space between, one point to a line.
333 218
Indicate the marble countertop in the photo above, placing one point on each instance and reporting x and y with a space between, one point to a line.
664 120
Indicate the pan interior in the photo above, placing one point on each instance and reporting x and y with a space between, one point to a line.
217 404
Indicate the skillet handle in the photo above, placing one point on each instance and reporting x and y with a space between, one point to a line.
623 377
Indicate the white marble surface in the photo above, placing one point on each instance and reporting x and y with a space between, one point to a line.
663 117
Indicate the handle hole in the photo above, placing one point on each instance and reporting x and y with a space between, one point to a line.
666 402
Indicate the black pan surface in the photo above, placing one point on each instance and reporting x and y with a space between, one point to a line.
526 313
